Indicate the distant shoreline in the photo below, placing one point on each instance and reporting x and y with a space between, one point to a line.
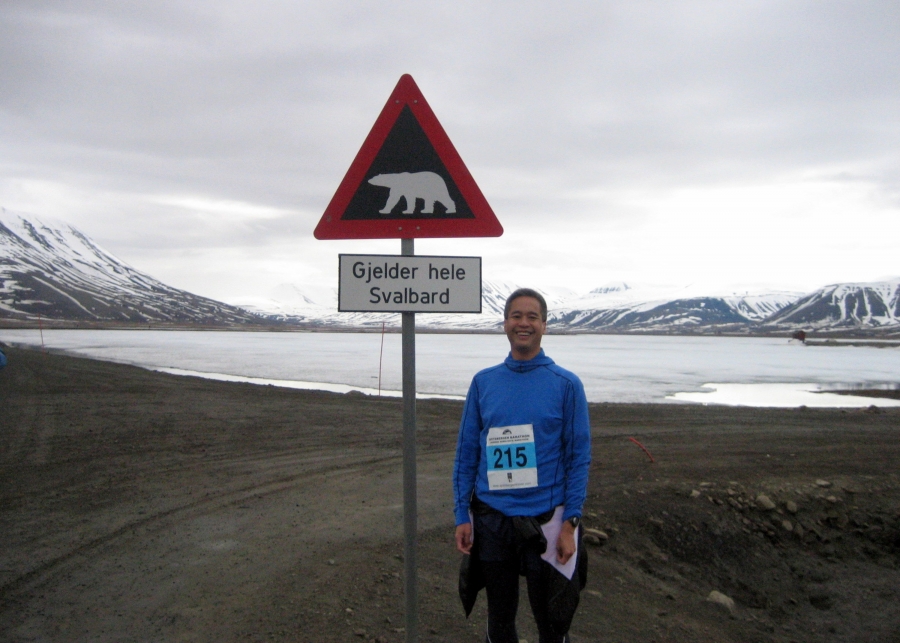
882 338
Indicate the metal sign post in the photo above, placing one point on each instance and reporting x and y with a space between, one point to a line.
409 284
410 513
406 182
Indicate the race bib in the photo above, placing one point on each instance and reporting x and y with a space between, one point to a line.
511 459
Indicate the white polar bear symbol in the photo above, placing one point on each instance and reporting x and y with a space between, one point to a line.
427 186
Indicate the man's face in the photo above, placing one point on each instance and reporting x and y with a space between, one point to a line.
524 328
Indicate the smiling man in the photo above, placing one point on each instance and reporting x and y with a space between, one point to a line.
520 480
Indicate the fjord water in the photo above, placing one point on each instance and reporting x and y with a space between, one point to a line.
614 368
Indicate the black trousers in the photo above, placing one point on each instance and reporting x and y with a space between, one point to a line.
503 560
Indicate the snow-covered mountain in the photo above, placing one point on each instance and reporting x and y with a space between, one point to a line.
52 270
652 308
873 305
621 307
613 308
317 305
55 271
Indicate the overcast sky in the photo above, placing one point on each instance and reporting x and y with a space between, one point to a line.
719 143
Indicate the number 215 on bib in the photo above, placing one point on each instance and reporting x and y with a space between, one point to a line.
511 457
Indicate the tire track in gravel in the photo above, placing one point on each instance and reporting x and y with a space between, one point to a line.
43 573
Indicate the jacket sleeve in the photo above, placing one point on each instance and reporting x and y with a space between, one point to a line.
578 448
468 455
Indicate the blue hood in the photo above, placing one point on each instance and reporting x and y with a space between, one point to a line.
523 367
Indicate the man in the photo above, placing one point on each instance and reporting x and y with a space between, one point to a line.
520 478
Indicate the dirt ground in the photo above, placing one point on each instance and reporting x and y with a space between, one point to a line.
138 506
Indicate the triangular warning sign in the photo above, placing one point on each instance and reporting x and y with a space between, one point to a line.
407 181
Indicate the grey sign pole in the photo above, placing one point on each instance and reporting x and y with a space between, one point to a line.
407 136
410 518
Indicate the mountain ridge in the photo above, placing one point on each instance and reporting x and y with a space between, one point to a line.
51 270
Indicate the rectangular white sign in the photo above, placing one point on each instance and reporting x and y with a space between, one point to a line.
404 284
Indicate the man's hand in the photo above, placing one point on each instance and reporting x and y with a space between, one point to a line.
565 544
464 537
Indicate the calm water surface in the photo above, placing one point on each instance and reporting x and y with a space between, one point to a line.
614 368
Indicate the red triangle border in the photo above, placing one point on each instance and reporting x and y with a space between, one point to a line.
485 223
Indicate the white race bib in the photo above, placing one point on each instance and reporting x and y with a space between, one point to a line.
511 457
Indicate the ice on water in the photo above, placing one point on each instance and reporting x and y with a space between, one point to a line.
614 368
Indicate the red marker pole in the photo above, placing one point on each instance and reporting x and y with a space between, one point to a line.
380 358
41 328
643 448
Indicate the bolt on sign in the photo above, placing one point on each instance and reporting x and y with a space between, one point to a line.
407 181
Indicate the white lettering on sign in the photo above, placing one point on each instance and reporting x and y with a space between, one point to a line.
418 284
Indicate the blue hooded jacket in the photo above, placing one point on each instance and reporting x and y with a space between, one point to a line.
551 399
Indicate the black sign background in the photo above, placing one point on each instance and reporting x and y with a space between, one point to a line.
406 149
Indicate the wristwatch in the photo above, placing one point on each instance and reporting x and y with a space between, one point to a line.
574 521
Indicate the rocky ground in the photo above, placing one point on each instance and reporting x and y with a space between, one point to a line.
137 506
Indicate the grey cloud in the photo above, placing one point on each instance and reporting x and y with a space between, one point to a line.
629 89
268 103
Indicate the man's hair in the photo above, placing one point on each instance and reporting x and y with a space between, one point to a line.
526 292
